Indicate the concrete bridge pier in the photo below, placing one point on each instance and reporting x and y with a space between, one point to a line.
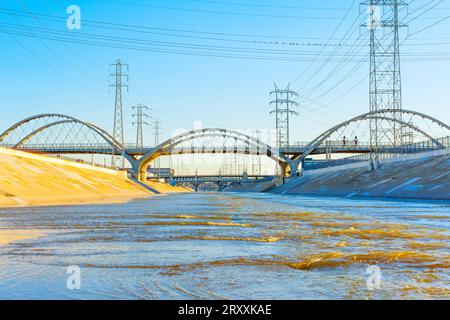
196 185
294 168
138 172
284 170
374 163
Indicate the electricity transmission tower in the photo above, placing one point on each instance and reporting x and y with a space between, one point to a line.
156 132
256 167
140 116
385 88
118 76
283 110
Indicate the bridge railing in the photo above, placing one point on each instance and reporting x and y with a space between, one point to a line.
230 178
60 146
326 147
385 153
57 156
71 159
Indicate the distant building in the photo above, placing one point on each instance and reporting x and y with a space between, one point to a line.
163 173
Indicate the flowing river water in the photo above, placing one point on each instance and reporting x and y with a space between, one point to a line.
231 246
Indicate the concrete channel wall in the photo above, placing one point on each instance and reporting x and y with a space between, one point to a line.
418 176
28 179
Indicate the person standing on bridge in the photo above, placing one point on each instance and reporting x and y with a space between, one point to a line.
344 140
356 140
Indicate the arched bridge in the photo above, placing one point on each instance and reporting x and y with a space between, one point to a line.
62 134
221 181
411 117
229 139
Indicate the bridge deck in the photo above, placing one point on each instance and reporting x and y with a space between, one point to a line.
292 150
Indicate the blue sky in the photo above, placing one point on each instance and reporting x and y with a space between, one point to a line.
70 78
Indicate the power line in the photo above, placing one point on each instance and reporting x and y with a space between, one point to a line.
332 35
44 31
245 14
433 24
53 51
338 67
145 29
345 60
276 6
202 51
337 98
266 5
64 35
430 26
421 7
333 54
45 63
337 83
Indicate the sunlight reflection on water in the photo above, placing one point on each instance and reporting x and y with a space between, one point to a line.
234 246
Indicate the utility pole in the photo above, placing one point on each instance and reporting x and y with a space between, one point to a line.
283 110
140 116
118 76
385 89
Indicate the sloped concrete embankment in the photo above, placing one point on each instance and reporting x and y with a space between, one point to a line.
28 179
251 187
425 176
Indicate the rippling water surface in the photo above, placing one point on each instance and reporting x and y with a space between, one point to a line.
230 246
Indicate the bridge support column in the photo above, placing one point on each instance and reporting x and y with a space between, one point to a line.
138 172
374 163
196 185
142 175
134 171
284 167
221 185
293 166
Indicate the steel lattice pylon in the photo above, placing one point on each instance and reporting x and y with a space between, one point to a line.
385 89
283 110
118 162
141 116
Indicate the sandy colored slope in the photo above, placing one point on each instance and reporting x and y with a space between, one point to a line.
29 179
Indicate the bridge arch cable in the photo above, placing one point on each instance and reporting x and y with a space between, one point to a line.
352 135
182 144
219 144
57 133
